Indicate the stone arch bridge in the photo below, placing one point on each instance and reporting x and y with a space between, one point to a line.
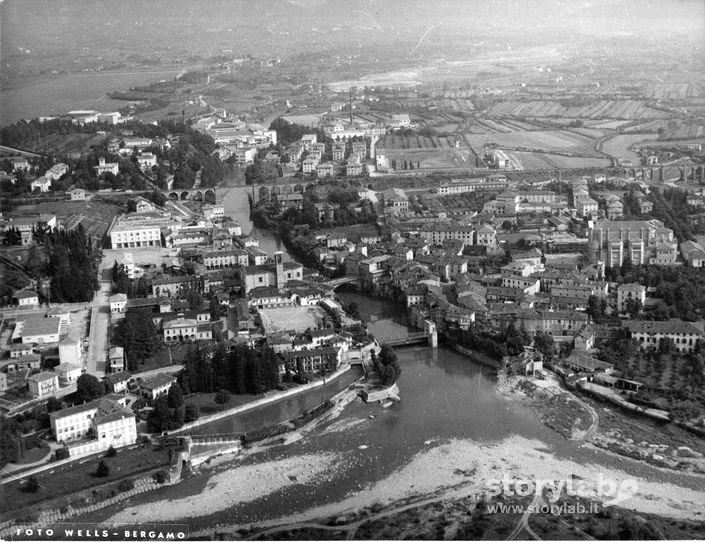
674 172
206 195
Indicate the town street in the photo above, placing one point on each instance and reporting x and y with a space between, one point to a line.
100 314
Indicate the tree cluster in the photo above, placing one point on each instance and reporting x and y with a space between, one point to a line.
242 370
681 290
671 206
88 387
169 411
72 265
497 344
386 365
138 335
289 132
123 284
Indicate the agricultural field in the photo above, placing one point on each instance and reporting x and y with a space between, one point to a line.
618 146
496 126
560 161
448 105
672 91
651 126
598 109
424 152
555 140
670 129
609 124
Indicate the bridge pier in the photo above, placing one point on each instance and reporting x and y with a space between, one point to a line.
432 333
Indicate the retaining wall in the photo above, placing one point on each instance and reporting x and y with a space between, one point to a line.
261 402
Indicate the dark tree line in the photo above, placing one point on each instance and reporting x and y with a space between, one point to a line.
386 365
289 132
242 370
123 284
496 345
72 265
680 290
138 335
671 207
170 412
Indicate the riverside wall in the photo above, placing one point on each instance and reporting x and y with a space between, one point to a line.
261 402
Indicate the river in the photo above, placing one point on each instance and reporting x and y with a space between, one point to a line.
64 93
237 207
447 403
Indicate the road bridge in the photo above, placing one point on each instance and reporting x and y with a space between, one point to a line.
348 279
414 337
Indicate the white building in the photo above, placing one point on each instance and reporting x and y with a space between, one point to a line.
156 385
693 253
133 233
26 298
68 372
55 172
649 334
586 206
625 292
41 184
70 351
213 211
43 384
37 330
116 360
245 156
76 194
118 303
180 330
110 423
146 160
103 167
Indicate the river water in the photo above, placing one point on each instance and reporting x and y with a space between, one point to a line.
237 207
444 396
64 93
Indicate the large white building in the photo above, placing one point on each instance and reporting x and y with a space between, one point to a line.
106 418
637 241
70 351
649 334
37 330
135 232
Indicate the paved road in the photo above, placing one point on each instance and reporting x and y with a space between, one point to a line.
100 317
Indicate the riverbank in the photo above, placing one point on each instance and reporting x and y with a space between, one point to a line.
456 467
556 407
611 430
272 398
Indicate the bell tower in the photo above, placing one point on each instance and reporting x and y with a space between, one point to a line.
279 264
